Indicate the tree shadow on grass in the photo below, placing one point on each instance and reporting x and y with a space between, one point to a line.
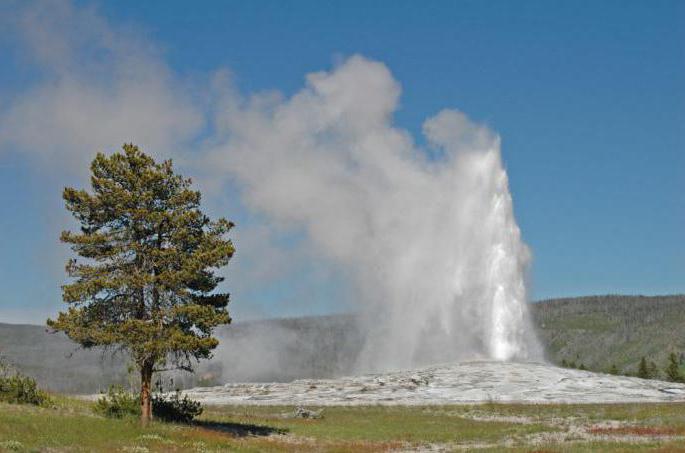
240 429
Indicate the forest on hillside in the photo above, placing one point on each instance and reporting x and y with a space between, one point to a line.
601 332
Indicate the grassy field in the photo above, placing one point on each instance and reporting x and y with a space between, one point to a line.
71 426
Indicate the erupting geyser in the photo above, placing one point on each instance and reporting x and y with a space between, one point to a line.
426 235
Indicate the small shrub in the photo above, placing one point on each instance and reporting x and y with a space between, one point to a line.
174 408
647 370
118 403
20 389
673 369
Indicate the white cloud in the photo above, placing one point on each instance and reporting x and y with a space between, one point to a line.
99 86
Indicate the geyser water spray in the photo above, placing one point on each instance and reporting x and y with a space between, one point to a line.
426 236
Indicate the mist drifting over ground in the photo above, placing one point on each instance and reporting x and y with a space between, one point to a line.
426 237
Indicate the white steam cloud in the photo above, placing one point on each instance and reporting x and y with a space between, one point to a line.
430 244
426 239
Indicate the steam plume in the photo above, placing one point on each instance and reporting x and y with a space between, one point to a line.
430 243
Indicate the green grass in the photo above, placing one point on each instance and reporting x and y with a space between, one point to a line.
71 425
377 424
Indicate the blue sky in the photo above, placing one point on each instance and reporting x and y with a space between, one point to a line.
588 97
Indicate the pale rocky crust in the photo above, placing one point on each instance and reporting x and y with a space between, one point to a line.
470 382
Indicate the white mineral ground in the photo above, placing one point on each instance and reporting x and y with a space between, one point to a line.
469 382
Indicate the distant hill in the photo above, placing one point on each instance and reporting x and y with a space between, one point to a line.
597 331
260 351
601 331
56 362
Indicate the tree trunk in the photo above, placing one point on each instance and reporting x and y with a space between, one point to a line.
145 393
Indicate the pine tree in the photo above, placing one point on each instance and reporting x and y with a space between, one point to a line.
673 369
642 370
613 369
146 280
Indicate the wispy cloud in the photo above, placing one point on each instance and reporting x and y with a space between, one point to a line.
98 86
